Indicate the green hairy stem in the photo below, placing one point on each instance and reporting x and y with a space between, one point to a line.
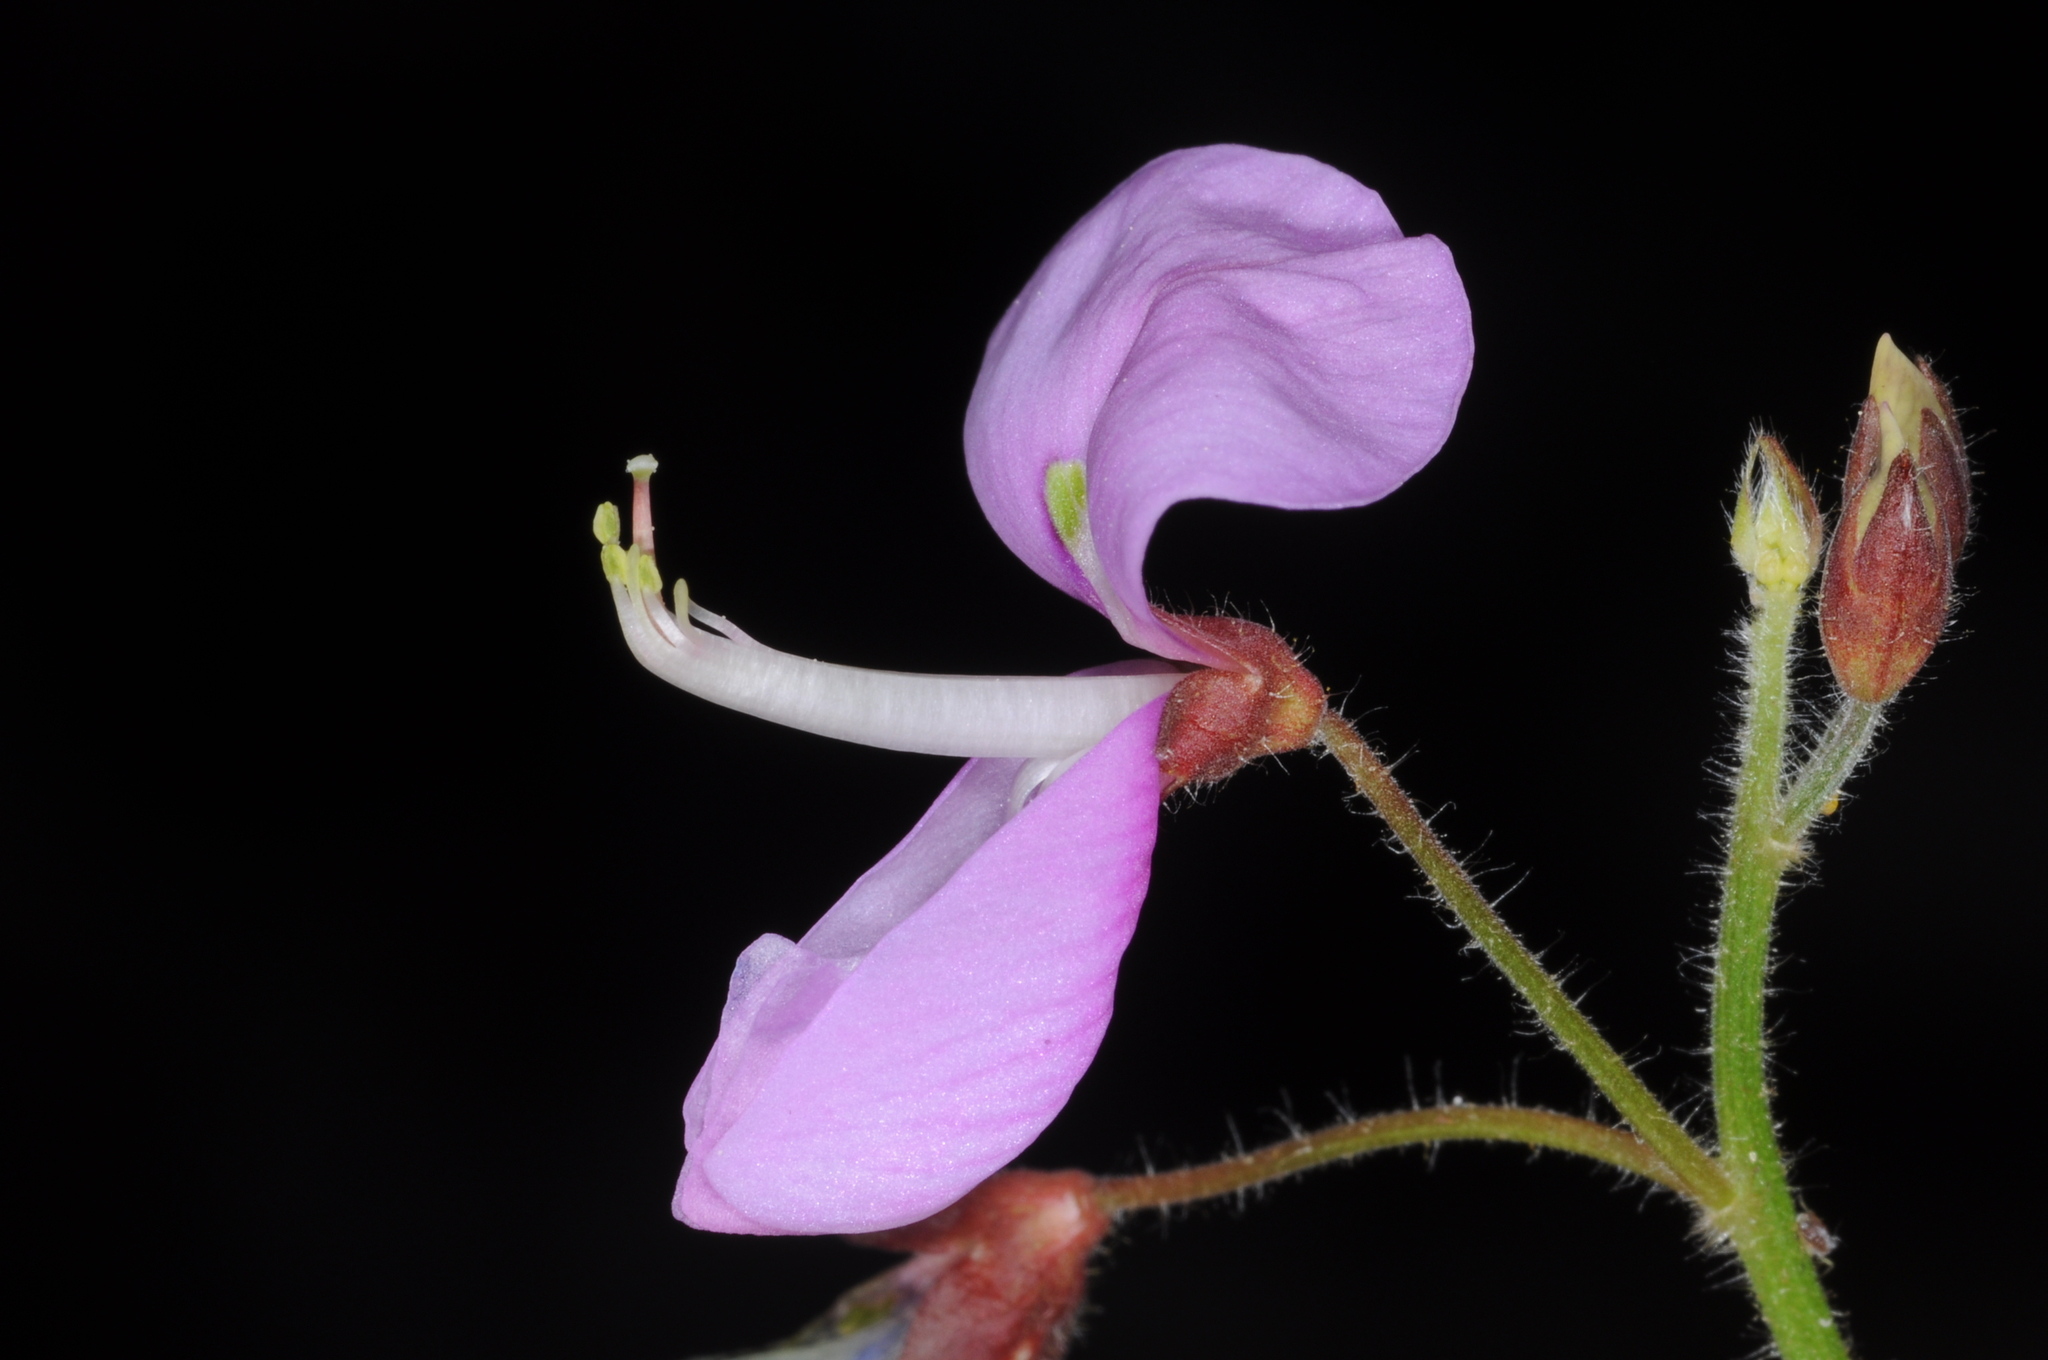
1697 1174
1762 1222
1835 757
1404 1128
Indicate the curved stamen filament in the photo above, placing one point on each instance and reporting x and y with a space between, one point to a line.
950 715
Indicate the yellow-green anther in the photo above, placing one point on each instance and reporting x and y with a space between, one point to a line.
650 579
1066 499
605 523
614 559
642 466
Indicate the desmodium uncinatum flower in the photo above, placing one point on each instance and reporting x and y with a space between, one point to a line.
1228 323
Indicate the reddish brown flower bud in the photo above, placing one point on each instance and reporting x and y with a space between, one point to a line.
1218 721
1905 514
999 1276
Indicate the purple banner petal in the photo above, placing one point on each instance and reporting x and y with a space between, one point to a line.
1228 323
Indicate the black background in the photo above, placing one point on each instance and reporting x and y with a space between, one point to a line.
405 903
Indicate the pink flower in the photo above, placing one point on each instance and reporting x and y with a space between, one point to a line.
1228 323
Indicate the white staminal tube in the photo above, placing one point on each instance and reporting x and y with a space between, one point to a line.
1044 717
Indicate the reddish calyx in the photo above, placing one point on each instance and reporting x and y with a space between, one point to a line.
1218 721
1885 594
1002 1272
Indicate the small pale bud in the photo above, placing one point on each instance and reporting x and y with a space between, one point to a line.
1905 516
1776 533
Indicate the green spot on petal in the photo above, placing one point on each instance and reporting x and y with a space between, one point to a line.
1066 499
